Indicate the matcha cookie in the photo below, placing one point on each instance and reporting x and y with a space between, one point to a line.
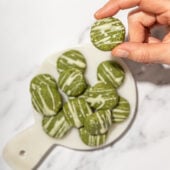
56 126
107 33
75 111
45 96
72 82
121 111
92 140
111 72
99 122
101 96
43 80
85 93
71 59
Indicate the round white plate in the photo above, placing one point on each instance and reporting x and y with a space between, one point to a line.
128 90
28 147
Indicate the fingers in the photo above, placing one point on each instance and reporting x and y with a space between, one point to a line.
139 23
153 40
109 9
159 7
113 6
143 52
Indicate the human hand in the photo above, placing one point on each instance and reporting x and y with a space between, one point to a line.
142 47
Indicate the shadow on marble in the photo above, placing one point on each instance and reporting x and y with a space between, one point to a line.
153 73
157 74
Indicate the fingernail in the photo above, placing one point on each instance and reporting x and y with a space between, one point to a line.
121 53
97 14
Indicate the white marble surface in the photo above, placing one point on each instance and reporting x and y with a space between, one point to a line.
30 30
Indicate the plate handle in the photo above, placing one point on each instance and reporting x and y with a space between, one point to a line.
27 148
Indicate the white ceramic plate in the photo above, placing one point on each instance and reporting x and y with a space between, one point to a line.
26 149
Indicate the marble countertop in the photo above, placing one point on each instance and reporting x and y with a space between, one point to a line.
33 29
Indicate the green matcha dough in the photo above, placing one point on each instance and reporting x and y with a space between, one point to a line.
107 33
101 96
85 93
46 98
99 122
121 111
76 110
56 126
92 140
72 82
111 72
71 59
43 80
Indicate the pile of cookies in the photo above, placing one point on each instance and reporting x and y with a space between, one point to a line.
90 109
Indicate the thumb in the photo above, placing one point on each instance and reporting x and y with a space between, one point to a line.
144 52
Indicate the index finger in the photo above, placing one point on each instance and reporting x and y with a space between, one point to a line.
113 6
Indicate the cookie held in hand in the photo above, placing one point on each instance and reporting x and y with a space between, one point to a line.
107 33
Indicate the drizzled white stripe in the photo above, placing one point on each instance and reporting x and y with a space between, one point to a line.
112 76
70 79
73 112
63 129
99 99
46 78
120 110
48 123
74 61
56 126
35 104
119 116
89 112
103 129
46 109
106 25
81 109
108 115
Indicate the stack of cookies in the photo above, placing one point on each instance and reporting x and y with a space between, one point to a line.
90 109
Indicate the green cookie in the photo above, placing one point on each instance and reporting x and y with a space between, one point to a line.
75 111
101 96
92 140
111 72
72 82
71 59
45 96
107 33
99 122
121 111
56 126
85 93
43 80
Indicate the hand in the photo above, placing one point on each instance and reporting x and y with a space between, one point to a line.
142 47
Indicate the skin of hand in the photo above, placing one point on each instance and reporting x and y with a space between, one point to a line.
141 47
